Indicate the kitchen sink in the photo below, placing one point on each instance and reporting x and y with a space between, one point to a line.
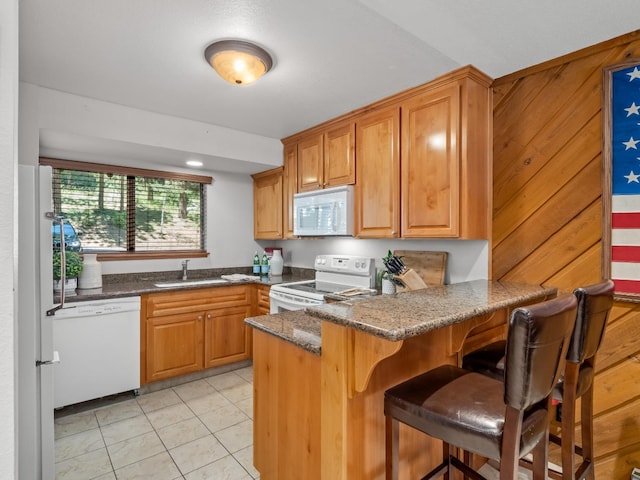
186 283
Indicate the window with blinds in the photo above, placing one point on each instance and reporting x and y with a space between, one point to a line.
122 210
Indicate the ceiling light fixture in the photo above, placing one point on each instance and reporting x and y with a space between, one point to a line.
194 163
237 61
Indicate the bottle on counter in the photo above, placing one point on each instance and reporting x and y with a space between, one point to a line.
277 263
264 268
256 264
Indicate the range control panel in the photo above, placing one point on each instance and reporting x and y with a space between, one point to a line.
348 264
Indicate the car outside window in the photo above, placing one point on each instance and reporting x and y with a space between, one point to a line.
71 237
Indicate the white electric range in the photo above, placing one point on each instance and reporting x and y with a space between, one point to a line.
334 274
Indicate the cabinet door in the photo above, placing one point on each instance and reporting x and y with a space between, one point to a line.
263 302
430 167
290 187
377 190
174 345
226 336
310 163
267 204
339 160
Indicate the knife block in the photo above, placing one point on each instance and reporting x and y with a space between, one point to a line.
411 280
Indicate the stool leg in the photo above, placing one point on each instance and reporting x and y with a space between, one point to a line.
541 458
568 438
468 461
392 439
510 448
586 418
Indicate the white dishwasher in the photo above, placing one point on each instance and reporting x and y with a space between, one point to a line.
98 343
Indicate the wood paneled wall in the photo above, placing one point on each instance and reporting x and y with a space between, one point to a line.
547 218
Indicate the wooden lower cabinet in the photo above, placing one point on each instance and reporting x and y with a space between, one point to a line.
190 330
226 336
174 345
263 305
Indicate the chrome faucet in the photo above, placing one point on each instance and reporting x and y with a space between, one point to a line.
185 263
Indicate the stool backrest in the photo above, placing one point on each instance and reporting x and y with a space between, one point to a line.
594 305
537 344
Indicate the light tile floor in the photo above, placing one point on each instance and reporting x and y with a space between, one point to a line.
195 431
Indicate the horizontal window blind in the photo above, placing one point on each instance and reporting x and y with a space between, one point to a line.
115 212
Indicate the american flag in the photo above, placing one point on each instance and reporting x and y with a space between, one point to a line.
625 182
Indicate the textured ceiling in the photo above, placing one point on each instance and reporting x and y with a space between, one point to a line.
331 56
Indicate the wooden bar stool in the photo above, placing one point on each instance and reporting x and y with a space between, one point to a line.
499 420
594 305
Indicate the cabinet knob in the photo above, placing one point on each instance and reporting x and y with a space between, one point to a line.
326 183
394 233
319 185
209 315
199 317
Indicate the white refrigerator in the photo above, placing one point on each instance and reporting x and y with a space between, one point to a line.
35 427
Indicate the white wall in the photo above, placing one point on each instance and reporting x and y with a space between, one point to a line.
8 232
229 199
467 260
87 117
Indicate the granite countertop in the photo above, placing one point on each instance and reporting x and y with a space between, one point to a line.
133 284
296 327
403 315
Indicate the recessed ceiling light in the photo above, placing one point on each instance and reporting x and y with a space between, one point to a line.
194 163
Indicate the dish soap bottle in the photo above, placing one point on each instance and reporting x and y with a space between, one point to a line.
264 268
256 264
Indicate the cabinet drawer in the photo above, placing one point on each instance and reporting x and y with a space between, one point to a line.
171 303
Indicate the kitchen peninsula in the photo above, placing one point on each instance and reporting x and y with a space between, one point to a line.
320 374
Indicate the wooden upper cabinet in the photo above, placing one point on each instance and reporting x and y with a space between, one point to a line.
310 163
339 158
267 204
327 159
377 192
430 166
420 160
290 187
446 162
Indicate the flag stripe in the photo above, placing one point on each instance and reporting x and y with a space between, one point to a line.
628 236
626 286
625 254
625 271
625 220
625 203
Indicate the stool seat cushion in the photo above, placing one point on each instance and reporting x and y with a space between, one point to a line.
468 412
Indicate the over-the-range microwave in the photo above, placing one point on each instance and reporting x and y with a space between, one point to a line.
323 213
